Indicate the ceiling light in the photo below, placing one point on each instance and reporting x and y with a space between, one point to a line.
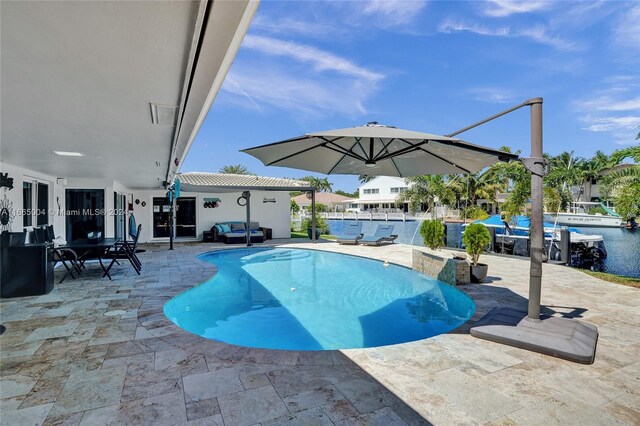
69 153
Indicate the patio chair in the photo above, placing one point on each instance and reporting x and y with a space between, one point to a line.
351 234
46 235
124 250
383 234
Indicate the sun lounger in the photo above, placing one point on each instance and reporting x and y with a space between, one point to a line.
383 234
351 234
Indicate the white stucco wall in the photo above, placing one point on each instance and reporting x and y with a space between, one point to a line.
271 215
14 195
384 184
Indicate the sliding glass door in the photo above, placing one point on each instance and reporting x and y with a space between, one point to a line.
186 217
85 212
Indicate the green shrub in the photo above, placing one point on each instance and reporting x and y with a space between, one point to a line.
597 210
475 238
476 212
432 232
321 224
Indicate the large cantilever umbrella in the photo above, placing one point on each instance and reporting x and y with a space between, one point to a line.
378 150
383 150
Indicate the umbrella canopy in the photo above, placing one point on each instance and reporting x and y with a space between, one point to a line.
376 149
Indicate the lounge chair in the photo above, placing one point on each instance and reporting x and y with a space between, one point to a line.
351 234
383 234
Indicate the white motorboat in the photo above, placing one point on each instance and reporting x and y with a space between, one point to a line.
579 216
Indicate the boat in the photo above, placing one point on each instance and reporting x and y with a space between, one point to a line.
579 216
513 238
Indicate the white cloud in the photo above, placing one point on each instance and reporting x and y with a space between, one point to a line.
391 13
503 8
610 124
320 60
492 95
455 26
297 25
607 103
538 33
627 29
300 94
299 78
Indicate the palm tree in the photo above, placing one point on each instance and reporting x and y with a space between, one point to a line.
320 184
426 190
365 178
624 187
237 169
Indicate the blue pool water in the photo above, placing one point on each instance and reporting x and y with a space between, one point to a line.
313 300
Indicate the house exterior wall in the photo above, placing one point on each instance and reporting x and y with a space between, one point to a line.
274 215
270 215
384 185
14 196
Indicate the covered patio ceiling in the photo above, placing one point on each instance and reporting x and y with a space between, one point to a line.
127 84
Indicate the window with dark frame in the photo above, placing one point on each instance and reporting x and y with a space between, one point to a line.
27 203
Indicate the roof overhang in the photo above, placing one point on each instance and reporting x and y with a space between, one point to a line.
85 77
222 189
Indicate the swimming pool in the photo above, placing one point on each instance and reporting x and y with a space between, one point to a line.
314 300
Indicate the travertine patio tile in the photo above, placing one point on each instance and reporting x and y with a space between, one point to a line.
210 385
312 417
340 410
140 384
88 390
166 409
203 408
15 385
560 413
32 415
44 392
252 406
311 399
449 379
365 394
180 360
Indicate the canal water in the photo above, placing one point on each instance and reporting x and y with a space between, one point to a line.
623 246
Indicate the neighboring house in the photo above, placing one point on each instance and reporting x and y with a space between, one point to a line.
334 202
590 190
379 195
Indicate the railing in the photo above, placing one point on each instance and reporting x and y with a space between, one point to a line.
442 212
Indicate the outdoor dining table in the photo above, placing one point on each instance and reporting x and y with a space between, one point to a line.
87 249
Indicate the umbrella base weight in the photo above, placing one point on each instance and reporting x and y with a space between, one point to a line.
564 338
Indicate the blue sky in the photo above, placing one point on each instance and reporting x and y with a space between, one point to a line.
432 66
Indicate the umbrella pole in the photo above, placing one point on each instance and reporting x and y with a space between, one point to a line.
247 196
537 236
313 216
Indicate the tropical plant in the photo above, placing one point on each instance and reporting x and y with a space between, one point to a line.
295 208
632 152
475 239
427 190
475 212
366 178
432 232
237 169
321 224
623 186
321 208
320 184
347 194
552 199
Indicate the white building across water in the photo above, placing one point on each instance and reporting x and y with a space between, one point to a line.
379 195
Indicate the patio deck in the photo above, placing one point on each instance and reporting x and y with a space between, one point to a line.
95 351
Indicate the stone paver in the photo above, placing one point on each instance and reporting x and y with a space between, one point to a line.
96 351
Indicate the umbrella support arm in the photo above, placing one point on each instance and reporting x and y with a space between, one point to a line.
536 236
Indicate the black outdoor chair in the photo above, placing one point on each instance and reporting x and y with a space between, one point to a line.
46 235
124 250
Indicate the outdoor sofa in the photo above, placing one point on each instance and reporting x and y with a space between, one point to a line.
234 232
